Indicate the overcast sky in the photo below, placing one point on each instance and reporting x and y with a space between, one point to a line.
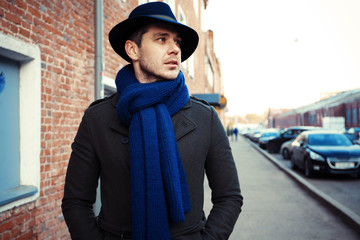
284 53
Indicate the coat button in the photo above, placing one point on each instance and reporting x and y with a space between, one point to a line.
125 140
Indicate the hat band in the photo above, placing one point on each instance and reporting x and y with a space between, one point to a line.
164 17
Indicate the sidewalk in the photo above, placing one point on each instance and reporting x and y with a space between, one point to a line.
276 207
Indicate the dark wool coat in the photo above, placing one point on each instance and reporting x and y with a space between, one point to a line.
101 149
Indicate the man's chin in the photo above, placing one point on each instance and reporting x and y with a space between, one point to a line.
170 77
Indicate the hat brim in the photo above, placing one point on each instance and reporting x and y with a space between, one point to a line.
122 31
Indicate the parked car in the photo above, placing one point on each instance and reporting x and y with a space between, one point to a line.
325 151
267 135
285 149
274 145
255 134
353 134
355 131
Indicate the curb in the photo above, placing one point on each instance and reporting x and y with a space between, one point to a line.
345 213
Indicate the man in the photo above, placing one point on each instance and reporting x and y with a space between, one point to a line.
151 145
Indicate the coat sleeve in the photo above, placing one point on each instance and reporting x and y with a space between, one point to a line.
80 186
225 188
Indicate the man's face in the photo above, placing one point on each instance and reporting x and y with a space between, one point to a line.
159 56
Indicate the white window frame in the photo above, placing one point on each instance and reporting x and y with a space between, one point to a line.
109 84
29 59
196 7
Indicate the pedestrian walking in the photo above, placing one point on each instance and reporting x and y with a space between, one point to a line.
236 132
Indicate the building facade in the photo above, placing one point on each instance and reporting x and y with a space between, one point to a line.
51 67
344 104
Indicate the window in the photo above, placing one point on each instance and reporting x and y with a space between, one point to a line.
109 86
209 75
20 164
9 127
191 66
312 119
354 115
348 116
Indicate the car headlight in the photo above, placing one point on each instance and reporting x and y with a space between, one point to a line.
316 156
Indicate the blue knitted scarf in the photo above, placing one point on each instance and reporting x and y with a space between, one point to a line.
159 191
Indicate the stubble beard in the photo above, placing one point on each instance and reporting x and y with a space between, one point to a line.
148 73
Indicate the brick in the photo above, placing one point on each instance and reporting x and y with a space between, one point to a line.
4 4
15 232
24 32
34 12
28 17
21 4
6 235
6 226
26 236
14 28
21 219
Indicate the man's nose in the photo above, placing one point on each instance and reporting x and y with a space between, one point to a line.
174 47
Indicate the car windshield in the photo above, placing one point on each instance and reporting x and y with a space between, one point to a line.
270 134
329 140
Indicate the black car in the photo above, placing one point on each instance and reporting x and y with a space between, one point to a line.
274 145
267 135
324 151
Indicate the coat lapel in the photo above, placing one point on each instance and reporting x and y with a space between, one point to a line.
182 124
115 123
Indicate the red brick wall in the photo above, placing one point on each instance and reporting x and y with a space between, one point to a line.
64 32
114 12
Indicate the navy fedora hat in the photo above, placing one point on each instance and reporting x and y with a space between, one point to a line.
151 13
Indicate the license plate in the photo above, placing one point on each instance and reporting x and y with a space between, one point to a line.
344 165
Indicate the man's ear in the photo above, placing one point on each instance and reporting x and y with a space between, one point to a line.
132 50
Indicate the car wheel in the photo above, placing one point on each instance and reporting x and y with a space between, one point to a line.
285 153
292 164
308 171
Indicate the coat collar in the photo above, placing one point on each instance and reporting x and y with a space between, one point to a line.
182 124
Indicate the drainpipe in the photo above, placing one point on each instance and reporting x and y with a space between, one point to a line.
99 89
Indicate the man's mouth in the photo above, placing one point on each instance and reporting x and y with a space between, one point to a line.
172 63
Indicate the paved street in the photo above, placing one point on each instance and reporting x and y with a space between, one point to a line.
342 188
275 207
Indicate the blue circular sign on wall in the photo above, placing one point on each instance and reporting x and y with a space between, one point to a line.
2 82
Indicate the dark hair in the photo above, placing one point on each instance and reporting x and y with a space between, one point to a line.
137 35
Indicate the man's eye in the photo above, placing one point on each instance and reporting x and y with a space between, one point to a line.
161 39
178 42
